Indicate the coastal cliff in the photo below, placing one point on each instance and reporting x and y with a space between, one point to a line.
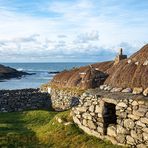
8 73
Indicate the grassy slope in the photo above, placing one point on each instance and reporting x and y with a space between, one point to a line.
41 129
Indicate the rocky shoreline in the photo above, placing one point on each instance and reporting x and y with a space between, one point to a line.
9 73
23 99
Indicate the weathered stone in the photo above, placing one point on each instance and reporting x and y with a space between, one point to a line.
122 104
144 120
145 130
135 103
100 115
141 146
111 131
76 120
139 123
130 140
100 124
146 114
102 86
92 114
108 88
145 92
112 139
91 124
121 138
123 114
109 100
100 130
134 117
145 136
116 90
139 112
134 134
82 109
141 102
128 123
91 108
86 116
137 90
121 130
98 109
127 90
84 122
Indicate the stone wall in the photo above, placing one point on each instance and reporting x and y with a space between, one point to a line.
63 99
122 121
25 99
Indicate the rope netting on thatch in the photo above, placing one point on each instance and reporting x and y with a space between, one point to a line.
84 77
124 74
131 75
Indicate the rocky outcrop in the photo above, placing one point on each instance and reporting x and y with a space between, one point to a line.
22 100
8 73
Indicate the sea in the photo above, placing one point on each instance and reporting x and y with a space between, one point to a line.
41 74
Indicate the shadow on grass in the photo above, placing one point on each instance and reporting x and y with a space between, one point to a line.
16 129
13 131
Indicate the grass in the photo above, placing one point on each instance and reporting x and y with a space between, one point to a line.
41 129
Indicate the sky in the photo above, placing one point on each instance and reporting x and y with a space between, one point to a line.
71 30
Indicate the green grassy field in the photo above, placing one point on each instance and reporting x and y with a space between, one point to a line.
41 129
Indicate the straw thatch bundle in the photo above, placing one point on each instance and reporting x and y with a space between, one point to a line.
84 77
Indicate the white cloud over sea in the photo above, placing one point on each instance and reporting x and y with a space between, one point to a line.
76 30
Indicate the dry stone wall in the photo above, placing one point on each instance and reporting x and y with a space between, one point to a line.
63 99
25 99
122 121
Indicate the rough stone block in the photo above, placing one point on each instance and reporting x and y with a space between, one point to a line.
127 90
144 120
121 138
139 123
128 123
91 108
145 136
130 140
137 90
112 131
76 120
87 116
122 104
122 130
100 129
134 117
91 124
145 92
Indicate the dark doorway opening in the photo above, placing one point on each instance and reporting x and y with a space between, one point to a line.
109 115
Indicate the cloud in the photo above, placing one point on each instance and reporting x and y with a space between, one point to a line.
87 37
76 30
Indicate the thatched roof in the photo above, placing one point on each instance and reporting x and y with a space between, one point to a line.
130 74
83 77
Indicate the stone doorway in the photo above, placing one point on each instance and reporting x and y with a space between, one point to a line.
109 115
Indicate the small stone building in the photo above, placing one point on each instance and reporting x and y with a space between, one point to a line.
118 109
117 117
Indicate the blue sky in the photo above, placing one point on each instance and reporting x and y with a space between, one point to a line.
70 30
